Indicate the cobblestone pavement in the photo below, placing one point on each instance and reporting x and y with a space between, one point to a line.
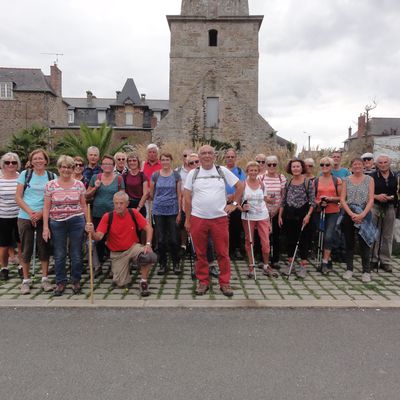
330 290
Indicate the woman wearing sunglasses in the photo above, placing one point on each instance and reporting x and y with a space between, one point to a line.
274 183
78 170
9 209
327 197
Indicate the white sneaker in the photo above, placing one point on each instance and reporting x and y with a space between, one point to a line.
366 277
25 289
348 275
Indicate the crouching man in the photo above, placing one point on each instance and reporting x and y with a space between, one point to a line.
121 227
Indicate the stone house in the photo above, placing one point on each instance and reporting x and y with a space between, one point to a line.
27 97
214 76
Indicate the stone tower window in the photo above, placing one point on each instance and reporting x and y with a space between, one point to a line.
212 112
213 37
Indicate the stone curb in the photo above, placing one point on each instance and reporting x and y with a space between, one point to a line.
61 303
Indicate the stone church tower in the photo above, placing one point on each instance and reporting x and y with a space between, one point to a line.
214 75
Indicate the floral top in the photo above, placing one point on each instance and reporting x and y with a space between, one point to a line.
357 193
297 196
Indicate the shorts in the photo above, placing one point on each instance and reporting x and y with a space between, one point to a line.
26 233
8 232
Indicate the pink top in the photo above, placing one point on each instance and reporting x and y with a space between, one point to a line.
328 191
64 203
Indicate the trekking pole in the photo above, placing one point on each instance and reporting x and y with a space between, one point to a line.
88 219
295 252
251 247
381 216
192 254
321 233
34 253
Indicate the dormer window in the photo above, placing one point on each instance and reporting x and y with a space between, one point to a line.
6 90
213 38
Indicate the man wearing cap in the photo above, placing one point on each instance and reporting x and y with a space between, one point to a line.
369 165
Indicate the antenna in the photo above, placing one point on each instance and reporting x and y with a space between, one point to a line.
54 54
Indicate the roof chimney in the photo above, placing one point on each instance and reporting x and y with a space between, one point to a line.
89 96
362 126
143 97
56 79
350 131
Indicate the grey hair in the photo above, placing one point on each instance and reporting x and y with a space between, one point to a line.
310 161
123 194
271 159
152 146
93 149
7 156
385 156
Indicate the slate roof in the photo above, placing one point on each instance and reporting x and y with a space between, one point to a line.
26 79
129 93
381 127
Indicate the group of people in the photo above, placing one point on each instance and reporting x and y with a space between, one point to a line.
147 212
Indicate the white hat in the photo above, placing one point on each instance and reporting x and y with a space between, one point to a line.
367 155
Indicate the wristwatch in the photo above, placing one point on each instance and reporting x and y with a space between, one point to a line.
234 203
148 244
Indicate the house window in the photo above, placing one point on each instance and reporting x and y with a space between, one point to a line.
213 37
128 118
71 116
101 116
212 112
6 90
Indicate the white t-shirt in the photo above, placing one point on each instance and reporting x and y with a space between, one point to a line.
208 191
258 209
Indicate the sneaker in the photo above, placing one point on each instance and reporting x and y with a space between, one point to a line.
250 272
144 289
162 270
226 290
270 272
59 290
177 268
25 288
366 277
201 289
20 272
214 270
301 272
324 268
76 288
386 267
47 286
348 275
4 274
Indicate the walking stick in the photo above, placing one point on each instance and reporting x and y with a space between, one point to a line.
34 253
381 216
251 247
321 238
295 252
88 219
192 253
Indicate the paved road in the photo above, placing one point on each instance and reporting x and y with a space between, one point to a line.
199 354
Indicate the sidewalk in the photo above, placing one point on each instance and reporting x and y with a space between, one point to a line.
172 291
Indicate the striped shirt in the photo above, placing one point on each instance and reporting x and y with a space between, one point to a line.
8 206
65 203
274 186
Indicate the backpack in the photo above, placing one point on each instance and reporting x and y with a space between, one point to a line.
219 170
306 184
156 175
141 174
28 177
335 183
120 179
111 217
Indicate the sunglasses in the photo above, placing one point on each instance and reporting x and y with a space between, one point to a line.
193 162
260 161
80 165
121 159
133 159
11 162
324 165
367 158
272 165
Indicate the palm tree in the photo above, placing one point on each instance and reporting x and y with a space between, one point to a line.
77 145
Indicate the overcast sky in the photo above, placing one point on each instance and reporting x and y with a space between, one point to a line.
321 62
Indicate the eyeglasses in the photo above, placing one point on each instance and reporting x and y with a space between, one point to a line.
133 159
272 165
107 164
11 162
367 158
309 166
66 167
121 159
80 165
193 162
324 165
260 161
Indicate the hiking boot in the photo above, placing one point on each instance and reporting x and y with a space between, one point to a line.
214 270
386 267
46 286
4 274
226 290
25 288
201 289
162 270
270 272
366 277
144 289
97 272
76 288
60 289
177 269
301 272
348 275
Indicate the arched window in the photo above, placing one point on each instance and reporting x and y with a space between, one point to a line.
213 37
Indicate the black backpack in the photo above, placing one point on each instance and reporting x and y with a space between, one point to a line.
111 217
28 177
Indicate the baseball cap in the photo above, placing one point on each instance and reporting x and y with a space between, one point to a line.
367 155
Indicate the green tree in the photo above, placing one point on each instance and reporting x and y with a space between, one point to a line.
77 145
28 140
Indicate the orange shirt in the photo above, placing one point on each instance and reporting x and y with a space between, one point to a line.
328 191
